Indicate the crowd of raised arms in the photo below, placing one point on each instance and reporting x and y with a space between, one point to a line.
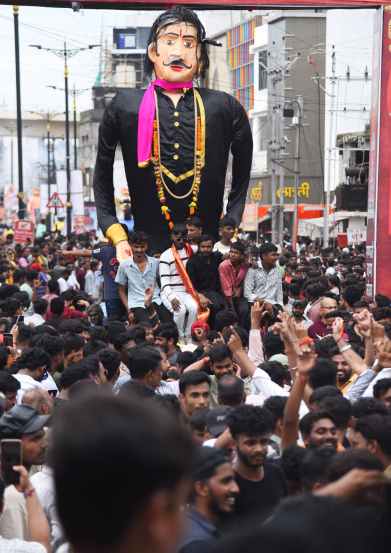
218 396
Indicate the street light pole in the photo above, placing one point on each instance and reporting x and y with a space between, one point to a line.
48 217
67 145
74 129
21 205
65 53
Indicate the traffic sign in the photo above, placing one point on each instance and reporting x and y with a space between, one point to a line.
55 201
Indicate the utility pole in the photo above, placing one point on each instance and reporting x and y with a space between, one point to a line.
66 53
48 217
21 204
299 103
67 145
326 213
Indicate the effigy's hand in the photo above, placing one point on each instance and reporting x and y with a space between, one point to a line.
123 250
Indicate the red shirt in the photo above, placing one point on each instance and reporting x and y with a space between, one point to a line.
231 278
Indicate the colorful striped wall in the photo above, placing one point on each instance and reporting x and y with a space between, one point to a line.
240 38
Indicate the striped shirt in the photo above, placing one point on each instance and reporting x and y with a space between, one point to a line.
170 280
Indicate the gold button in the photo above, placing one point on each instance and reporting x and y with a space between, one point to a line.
176 145
176 157
176 124
176 113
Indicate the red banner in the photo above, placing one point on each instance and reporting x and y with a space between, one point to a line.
23 231
379 190
202 4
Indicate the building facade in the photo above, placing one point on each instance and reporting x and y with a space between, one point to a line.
289 110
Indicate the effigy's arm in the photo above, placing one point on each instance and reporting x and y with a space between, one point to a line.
103 177
242 152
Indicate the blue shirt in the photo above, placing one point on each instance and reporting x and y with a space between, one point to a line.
137 282
199 531
107 255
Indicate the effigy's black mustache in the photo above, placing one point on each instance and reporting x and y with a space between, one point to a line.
177 62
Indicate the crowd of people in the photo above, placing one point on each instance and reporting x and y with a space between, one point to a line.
219 396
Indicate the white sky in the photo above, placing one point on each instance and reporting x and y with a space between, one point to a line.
50 27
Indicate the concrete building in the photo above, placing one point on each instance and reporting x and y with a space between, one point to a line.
288 114
122 67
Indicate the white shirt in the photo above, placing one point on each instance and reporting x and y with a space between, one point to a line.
63 285
34 320
49 384
43 483
222 248
20 546
26 383
13 521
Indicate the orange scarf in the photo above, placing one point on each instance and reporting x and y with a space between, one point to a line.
203 313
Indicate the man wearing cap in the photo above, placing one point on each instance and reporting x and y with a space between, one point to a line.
22 422
175 139
213 498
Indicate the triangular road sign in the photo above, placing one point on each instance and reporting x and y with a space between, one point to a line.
55 201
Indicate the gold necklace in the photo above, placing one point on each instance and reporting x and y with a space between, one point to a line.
199 161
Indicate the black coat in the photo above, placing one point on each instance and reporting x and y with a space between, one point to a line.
227 127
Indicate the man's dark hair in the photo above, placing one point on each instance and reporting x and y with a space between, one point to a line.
326 347
272 344
381 387
352 294
219 352
93 346
197 420
111 361
207 460
251 420
206 238
339 408
276 406
351 459
365 406
184 359
239 247
315 465
53 345
324 391
266 248
8 384
278 372
230 390
72 342
291 460
192 378
57 306
179 14
72 374
4 353
195 221
53 286
40 306
225 318
141 360
32 359
376 427
114 329
150 451
323 373
139 237
307 422
167 331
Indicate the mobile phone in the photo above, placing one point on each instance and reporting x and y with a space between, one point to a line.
8 339
19 319
11 455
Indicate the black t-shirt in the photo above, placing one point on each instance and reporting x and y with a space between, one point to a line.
259 499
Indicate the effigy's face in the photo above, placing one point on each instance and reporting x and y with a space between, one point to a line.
176 53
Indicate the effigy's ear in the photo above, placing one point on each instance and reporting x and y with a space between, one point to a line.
152 52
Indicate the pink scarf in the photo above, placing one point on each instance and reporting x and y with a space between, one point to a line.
146 116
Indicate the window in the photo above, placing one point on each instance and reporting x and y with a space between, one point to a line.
262 62
130 41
